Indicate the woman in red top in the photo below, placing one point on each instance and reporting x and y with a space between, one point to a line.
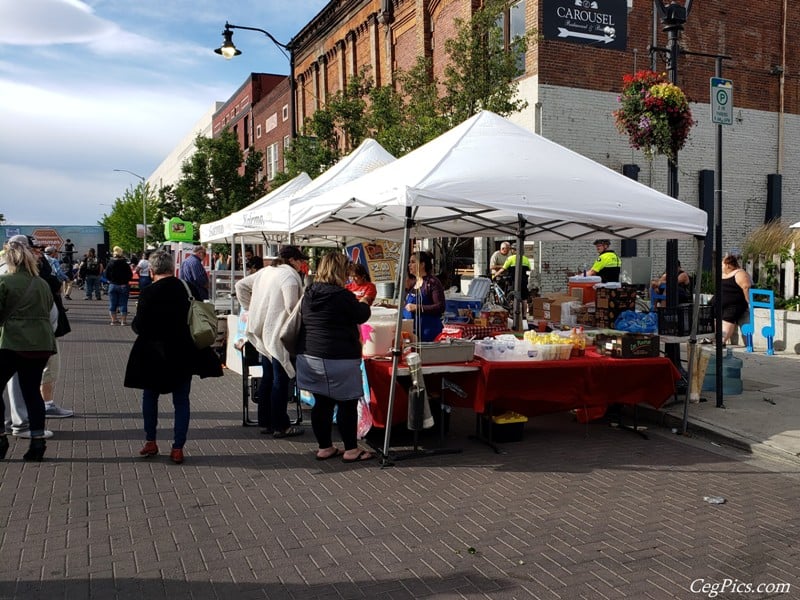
360 284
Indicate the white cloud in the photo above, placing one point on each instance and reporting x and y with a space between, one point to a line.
87 87
37 22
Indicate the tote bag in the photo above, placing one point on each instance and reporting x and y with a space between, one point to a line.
202 321
290 332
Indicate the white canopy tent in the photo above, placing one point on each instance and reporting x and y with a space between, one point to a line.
478 178
488 176
272 216
242 221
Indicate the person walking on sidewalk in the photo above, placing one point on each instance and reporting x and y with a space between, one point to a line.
119 274
164 357
26 337
192 271
90 270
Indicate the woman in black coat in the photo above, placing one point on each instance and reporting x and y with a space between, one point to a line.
164 358
329 357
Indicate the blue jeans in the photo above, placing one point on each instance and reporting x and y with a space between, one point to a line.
118 298
180 400
273 396
92 285
144 281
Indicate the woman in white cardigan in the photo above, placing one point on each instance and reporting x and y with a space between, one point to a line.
269 295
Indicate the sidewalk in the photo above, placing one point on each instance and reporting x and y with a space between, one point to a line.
764 418
572 511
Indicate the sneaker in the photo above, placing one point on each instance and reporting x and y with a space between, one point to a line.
176 455
26 433
54 411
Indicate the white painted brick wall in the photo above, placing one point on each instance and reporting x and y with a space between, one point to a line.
582 121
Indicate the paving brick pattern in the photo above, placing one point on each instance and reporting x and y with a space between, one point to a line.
573 511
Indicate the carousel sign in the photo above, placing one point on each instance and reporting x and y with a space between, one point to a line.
599 23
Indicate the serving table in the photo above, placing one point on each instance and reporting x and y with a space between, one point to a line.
533 387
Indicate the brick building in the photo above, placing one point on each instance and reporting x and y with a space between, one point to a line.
258 114
572 85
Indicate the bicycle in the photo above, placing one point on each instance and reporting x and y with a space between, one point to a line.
501 295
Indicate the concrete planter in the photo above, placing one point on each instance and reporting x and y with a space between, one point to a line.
787 330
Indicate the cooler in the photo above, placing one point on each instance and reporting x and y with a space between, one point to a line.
584 287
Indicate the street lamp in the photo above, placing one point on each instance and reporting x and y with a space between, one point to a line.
144 207
228 51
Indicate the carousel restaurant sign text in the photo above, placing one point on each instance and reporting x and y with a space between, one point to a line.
598 23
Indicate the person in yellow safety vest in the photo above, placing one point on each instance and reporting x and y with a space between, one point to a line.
608 264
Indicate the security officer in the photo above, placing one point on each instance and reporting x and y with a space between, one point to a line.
608 264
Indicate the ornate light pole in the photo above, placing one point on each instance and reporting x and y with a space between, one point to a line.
228 50
673 16
144 206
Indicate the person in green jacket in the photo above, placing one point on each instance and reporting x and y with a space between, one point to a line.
26 337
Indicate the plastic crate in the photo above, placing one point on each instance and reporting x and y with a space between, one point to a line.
677 321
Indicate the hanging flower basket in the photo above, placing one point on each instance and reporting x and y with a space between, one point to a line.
654 114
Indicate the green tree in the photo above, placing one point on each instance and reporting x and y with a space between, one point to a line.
125 213
217 180
481 73
331 132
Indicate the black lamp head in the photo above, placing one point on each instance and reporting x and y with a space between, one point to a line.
228 50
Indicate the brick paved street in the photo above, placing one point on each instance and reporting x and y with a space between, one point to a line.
573 511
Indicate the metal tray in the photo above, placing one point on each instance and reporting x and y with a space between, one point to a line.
450 351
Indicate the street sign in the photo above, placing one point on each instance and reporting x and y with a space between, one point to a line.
721 101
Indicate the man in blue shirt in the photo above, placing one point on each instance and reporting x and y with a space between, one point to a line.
193 271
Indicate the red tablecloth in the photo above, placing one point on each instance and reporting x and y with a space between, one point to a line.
537 388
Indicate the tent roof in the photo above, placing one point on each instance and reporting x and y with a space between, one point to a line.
271 217
475 180
240 221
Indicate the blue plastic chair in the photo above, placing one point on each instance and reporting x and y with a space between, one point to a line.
767 331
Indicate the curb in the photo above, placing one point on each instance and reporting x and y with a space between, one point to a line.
714 434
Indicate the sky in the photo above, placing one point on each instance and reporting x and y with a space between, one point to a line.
87 87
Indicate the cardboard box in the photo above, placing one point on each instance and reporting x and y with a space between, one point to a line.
547 302
623 298
628 345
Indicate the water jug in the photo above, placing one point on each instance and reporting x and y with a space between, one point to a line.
731 374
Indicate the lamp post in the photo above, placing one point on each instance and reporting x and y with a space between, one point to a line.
228 51
144 207
673 16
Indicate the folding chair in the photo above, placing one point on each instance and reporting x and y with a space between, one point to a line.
250 358
252 380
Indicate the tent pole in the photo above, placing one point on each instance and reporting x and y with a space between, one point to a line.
398 335
693 334
518 273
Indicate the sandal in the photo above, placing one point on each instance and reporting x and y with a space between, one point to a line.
362 455
291 432
336 452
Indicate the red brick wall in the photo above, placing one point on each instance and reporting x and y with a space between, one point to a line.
754 43
271 106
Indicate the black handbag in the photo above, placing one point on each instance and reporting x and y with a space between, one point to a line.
63 327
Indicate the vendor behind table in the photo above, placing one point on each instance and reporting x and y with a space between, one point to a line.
425 302
608 265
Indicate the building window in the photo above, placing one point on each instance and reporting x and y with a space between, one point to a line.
285 112
258 131
512 23
272 161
